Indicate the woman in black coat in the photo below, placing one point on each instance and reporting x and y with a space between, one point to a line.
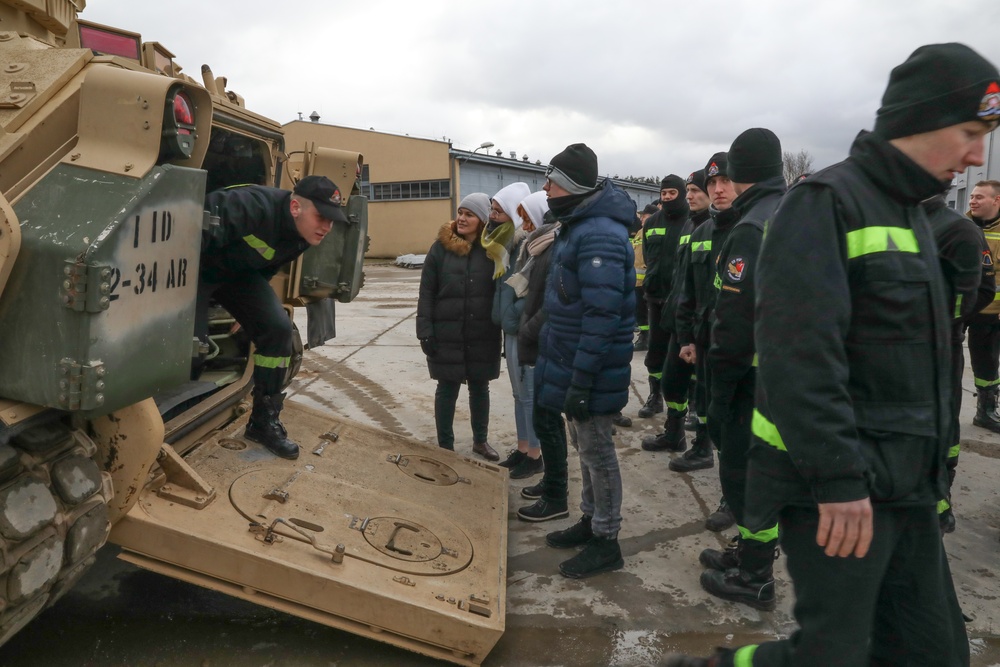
454 323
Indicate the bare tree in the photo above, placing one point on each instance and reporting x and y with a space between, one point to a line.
796 164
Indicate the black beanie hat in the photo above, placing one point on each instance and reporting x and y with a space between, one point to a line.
755 156
717 165
574 170
673 181
697 179
939 85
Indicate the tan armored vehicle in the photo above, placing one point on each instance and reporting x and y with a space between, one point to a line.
106 152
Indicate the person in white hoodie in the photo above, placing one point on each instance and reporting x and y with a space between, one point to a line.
506 233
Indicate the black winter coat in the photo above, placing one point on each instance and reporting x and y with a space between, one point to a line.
454 308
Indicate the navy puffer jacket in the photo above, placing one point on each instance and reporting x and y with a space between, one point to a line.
590 303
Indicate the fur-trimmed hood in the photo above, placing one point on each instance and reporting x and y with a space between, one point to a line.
452 242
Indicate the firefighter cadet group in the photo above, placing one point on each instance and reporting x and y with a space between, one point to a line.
809 335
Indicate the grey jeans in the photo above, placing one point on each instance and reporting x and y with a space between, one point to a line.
602 478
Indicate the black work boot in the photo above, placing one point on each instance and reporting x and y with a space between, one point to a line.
722 560
986 409
691 422
654 402
751 583
575 536
700 456
673 438
265 428
641 341
721 518
621 420
602 554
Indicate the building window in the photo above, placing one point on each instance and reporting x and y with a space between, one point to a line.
366 182
410 190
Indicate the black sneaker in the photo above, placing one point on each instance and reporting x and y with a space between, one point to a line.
575 536
527 467
533 492
602 554
514 457
737 585
543 510
720 519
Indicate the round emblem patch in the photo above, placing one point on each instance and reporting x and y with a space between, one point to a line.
735 269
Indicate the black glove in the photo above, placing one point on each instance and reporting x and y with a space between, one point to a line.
577 405
429 346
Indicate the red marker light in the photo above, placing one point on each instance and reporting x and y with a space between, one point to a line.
183 113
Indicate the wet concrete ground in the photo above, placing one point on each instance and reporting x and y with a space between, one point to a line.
374 372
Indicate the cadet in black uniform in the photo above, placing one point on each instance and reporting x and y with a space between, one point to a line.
745 573
853 408
661 232
962 250
260 229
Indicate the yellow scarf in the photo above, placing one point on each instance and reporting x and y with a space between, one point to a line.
495 243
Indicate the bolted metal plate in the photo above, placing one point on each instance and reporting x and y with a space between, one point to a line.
426 469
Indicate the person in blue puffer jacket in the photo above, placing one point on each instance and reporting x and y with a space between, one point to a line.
585 346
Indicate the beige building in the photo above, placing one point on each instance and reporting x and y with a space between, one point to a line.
414 185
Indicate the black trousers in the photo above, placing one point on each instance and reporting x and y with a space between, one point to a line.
676 381
703 381
641 313
250 299
955 430
445 399
896 606
734 443
984 348
659 338
551 431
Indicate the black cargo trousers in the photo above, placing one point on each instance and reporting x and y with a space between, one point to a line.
250 299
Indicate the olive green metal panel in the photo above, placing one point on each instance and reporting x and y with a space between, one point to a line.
335 268
98 312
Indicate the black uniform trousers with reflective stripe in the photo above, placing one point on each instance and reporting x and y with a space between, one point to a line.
659 338
676 381
984 348
641 309
734 442
702 342
251 301
900 595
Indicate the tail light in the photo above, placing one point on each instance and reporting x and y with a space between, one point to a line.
179 129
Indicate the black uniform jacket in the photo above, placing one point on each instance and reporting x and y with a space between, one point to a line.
660 235
256 232
853 335
696 302
668 319
731 356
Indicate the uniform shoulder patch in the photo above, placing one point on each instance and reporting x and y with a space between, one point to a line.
989 106
736 269
987 258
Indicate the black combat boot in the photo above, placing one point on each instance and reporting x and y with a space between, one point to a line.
265 428
692 421
700 456
654 402
721 518
722 560
601 554
751 583
673 438
575 536
642 341
986 409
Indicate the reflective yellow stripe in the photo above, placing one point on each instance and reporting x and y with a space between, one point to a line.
754 362
953 451
701 246
986 383
643 327
744 656
943 506
992 235
717 282
656 375
958 305
266 251
656 231
679 407
761 427
769 535
270 362
640 276
684 240
870 240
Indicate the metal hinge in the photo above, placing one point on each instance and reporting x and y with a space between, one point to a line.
82 385
86 287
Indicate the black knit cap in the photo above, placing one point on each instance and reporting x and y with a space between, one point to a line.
755 156
697 179
673 181
574 170
717 165
939 85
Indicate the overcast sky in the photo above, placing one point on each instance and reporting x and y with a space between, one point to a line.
653 86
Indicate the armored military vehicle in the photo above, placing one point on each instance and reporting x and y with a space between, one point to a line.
107 149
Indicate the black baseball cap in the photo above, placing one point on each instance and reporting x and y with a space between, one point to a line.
324 194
